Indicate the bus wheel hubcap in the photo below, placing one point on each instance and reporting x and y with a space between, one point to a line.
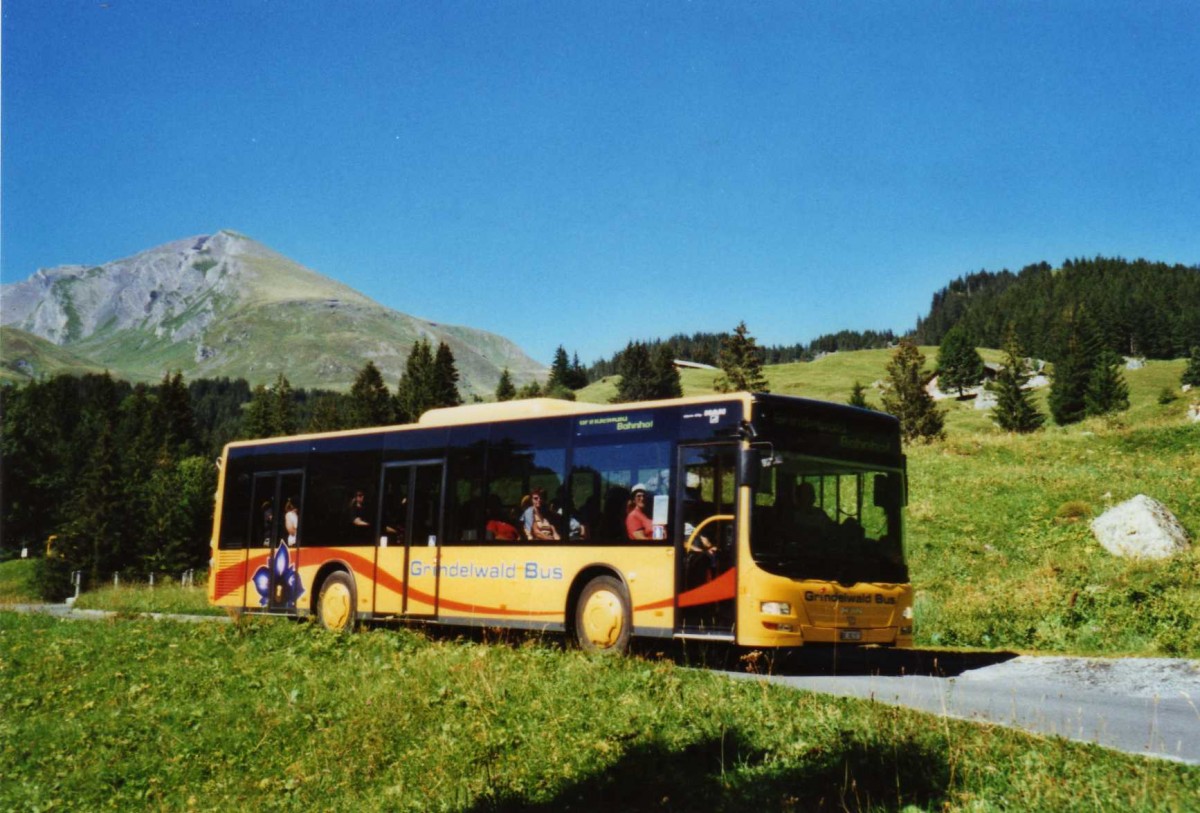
603 618
335 606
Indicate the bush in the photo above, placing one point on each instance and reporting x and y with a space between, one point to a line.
52 578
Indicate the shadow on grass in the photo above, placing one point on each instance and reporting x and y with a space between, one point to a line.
728 774
817 659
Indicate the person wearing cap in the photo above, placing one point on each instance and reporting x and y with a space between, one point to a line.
637 523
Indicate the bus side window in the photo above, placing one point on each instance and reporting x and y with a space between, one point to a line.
236 511
583 505
465 505
522 460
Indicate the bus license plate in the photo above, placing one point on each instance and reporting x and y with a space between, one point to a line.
850 635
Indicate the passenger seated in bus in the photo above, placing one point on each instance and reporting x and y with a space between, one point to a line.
810 524
805 513
576 530
267 512
497 528
358 509
539 527
637 523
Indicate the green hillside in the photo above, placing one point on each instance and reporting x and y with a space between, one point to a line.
26 357
1000 550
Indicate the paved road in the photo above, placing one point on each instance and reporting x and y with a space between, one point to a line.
1147 706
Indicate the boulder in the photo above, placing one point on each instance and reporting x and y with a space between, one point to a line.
1140 528
986 400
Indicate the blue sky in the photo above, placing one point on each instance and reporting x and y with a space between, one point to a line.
589 173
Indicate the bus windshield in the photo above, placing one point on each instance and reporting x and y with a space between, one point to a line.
820 519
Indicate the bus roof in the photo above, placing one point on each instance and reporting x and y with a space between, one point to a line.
546 407
522 409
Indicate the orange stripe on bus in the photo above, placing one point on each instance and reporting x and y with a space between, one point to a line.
719 589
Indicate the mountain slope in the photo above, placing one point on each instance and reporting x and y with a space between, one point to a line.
27 357
225 305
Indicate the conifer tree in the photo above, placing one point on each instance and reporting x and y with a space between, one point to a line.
858 396
560 370
531 390
906 397
417 390
97 513
173 414
637 375
505 391
326 414
257 421
370 402
666 375
959 363
741 363
1191 375
445 378
1106 390
283 408
1015 410
578 378
1073 369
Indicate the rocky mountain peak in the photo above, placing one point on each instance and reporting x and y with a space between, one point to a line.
225 304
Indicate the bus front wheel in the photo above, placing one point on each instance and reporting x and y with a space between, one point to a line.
603 622
335 606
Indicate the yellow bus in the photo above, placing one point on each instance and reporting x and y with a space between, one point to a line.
755 519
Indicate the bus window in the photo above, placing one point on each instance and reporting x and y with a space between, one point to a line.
235 511
603 477
516 469
342 499
820 520
465 496
263 516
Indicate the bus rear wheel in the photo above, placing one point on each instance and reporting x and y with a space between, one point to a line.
603 621
335 606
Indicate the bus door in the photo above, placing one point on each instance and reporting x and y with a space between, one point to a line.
274 522
410 535
706 577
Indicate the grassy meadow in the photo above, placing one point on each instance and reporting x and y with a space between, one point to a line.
137 714
15 586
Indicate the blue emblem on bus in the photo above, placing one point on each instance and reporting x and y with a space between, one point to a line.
287 581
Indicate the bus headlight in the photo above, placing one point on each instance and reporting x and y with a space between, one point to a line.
907 614
776 608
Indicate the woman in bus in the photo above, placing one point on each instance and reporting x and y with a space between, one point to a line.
538 525
637 523
291 522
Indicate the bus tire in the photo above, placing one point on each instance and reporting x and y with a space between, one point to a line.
336 604
603 621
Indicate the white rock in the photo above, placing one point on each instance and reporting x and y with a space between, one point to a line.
1140 528
986 400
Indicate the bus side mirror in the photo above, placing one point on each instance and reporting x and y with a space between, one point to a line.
750 465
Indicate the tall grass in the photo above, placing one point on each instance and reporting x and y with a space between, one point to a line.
143 715
166 596
16 582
